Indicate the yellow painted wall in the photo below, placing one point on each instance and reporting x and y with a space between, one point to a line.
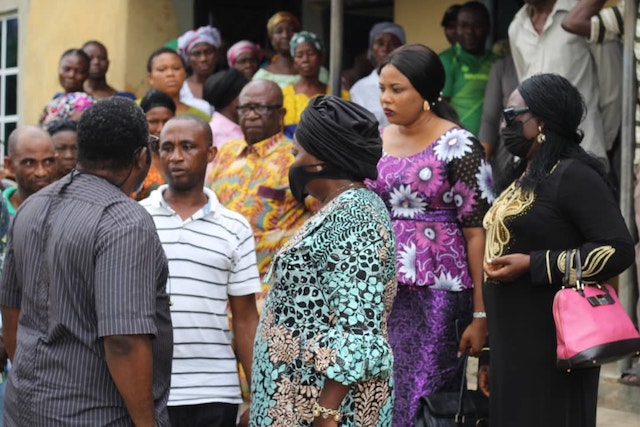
421 21
130 29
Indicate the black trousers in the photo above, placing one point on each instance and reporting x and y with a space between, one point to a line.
204 415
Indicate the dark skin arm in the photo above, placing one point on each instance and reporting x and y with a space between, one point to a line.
10 317
578 20
130 362
330 397
475 335
245 322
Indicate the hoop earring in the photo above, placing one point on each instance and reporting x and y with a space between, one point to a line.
426 106
541 136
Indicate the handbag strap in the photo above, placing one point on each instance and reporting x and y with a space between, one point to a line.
577 261
459 417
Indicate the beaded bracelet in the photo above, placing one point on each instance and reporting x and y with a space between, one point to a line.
326 412
479 314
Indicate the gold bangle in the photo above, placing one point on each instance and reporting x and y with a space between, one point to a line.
326 412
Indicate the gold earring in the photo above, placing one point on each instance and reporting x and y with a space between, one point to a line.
541 136
426 106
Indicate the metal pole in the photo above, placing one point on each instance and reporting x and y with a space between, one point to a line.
626 280
335 42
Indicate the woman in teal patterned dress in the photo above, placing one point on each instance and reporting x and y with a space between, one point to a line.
321 356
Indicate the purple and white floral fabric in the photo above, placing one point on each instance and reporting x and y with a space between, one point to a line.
431 196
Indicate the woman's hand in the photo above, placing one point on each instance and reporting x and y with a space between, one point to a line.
473 338
507 268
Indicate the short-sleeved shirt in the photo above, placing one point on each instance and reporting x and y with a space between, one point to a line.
83 262
211 255
253 180
465 82
431 196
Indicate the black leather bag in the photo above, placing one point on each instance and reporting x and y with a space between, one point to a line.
466 408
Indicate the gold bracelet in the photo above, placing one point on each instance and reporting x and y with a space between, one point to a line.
326 412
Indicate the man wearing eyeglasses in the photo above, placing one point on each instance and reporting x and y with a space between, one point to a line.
85 311
250 176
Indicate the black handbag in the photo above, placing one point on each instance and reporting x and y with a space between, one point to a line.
468 408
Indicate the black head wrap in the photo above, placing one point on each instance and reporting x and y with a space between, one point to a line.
342 134
557 102
223 87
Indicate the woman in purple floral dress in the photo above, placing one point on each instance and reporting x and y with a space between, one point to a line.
437 185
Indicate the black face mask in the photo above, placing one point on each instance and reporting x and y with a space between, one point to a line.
299 177
515 141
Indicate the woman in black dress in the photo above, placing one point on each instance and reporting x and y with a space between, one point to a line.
560 200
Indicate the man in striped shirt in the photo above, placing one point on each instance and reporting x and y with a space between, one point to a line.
212 262
85 312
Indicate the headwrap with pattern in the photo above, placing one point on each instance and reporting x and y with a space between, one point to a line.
304 36
206 34
241 47
280 17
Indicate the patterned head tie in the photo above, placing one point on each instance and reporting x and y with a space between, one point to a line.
206 34
305 36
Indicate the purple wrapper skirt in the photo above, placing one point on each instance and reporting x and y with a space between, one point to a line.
422 333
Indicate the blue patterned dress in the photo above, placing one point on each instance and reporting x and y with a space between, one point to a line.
431 196
325 316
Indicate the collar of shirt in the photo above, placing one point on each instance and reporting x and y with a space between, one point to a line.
558 6
469 57
262 148
156 199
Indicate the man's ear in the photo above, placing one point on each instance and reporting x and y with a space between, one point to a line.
143 158
7 164
211 153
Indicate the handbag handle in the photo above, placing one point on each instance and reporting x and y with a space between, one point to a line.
459 416
567 269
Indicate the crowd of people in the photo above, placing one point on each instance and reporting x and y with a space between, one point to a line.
238 247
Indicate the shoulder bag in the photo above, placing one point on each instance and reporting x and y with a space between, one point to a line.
592 327
467 408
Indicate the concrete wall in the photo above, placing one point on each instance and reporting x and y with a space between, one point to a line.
130 29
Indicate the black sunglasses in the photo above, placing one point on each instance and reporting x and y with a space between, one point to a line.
511 113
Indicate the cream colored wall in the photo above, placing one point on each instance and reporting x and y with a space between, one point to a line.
131 29
421 21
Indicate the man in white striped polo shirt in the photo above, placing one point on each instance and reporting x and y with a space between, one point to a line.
211 253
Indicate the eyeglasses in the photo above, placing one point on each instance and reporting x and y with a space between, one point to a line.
260 110
511 113
153 142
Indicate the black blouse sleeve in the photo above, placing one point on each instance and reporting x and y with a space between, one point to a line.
607 249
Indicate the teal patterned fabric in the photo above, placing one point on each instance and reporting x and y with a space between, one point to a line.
325 316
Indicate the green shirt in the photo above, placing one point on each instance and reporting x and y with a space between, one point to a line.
6 193
466 79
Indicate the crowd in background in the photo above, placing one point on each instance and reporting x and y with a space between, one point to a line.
329 258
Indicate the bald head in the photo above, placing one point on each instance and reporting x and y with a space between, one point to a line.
26 134
197 122
31 159
259 126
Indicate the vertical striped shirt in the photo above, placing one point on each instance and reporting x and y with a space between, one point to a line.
211 255
83 262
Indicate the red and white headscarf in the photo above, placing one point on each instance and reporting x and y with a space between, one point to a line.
206 34
241 47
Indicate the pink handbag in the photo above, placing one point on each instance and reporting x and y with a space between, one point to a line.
592 327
